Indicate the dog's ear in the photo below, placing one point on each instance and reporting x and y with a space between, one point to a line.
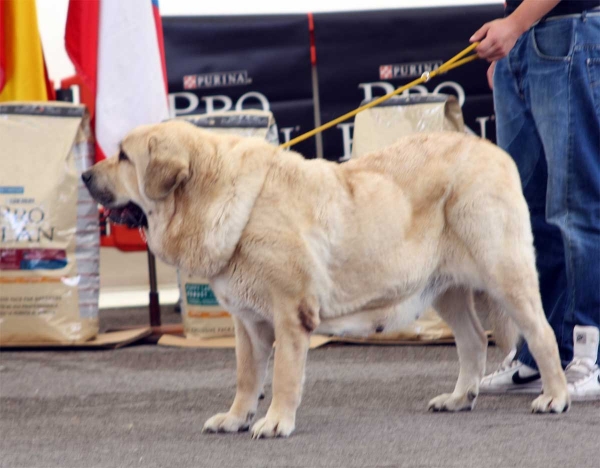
168 168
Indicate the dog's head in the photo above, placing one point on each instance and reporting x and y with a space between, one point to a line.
153 161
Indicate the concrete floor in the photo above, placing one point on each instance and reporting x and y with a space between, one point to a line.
362 407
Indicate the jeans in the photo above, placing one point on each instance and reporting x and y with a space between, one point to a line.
547 104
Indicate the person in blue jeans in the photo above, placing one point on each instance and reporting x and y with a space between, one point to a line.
545 74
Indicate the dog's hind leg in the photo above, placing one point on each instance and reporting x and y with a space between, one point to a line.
506 332
496 231
456 307
253 347
516 288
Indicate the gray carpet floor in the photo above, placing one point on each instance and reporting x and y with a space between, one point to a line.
363 406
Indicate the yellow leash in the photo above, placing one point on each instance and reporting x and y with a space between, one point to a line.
454 62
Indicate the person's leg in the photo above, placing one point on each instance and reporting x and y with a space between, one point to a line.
550 256
517 135
559 84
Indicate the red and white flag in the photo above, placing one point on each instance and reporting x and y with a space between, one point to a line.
117 49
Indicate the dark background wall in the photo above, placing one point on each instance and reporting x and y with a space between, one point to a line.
243 62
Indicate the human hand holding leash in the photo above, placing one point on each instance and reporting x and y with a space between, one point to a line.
498 37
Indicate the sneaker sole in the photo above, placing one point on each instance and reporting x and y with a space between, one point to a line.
511 391
585 398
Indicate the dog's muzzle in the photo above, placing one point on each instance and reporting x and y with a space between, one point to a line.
130 214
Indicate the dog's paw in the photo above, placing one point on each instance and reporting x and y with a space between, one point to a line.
226 422
551 404
451 402
269 427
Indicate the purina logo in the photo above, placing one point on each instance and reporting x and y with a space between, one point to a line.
217 80
407 70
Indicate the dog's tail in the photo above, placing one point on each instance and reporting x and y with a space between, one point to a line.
505 331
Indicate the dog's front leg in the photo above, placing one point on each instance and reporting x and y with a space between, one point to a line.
253 346
292 334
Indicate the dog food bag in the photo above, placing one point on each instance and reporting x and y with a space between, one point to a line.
203 317
49 234
382 125
248 123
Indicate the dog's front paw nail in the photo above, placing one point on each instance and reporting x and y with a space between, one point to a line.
225 422
269 427
548 404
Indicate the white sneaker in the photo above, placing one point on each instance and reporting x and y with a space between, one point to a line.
512 377
583 374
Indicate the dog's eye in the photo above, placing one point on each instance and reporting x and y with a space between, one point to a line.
123 156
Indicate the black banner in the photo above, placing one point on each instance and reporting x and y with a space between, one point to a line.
263 62
361 55
243 62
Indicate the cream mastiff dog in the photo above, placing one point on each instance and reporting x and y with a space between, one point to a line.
293 246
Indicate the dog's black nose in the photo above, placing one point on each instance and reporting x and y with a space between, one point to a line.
87 177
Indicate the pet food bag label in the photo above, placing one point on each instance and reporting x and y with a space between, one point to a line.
49 234
203 317
382 125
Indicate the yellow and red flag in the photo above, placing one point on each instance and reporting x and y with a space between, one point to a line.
23 75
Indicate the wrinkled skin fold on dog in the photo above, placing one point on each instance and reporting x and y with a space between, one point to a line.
293 246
